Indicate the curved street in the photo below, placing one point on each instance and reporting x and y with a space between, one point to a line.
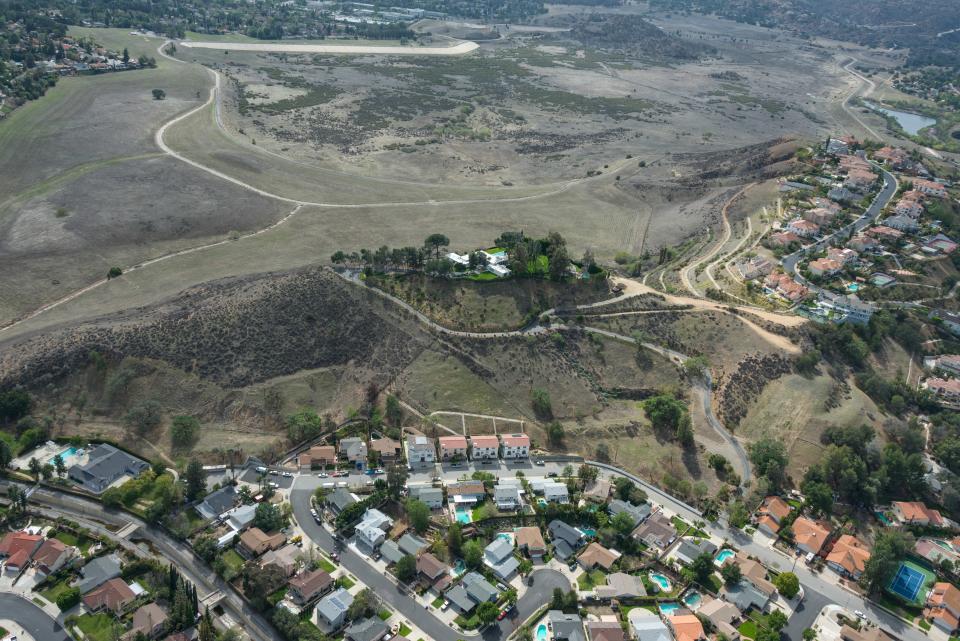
31 618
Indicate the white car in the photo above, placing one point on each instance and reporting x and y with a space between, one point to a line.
313 513
288 475
860 614
261 469
445 605
274 485
322 475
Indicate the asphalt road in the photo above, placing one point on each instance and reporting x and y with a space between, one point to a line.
538 594
873 211
32 619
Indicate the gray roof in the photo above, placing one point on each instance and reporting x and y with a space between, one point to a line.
499 549
391 551
335 604
370 629
98 571
353 447
566 626
241 517
479 588
427 494
620 584
562 550
744 595
412 544
638 512
216 503
459 597
105 465
340 499
564 531
689 549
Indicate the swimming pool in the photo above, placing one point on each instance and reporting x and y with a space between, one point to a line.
692 600
459 567
661 582
68 455
589 532
723 555
668 609
542 632
853 287
464 515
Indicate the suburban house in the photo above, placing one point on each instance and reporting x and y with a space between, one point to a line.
902 223
848 308
390 552
786 287
566 627
946 390
860 180
332 609
621 586
723 615
52 555
595 555
218 502
460 601
371 629
114 595
605 631
18 548
97 572
939 244
915 513
484 448
746 596
372 530
420 450
824 267
431 568
862 242
842 255
597 491
105 465
686 627
566 538
530 541
431 496
809 535
339 500
318 457
911 206
754 573
254 542
943 607
657 531
802 228
285 558
240 517
453 448
553 491
849 556
770 513
507 495
884 233
354 451
647 626
930 188
307 586
819 216
498 556
689 549
148 620
755 267
639 513
477 589
894 156
466 492
515 446
412 544
783 239
387 449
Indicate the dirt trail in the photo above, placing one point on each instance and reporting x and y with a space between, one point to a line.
727 233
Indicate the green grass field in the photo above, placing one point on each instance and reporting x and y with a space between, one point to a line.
97 627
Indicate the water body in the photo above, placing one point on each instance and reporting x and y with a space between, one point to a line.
911 123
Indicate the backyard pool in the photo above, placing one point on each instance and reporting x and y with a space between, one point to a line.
661 582
667 609
68 455
853 287
692 600
464 515
723 555
458 568
542 632
589 532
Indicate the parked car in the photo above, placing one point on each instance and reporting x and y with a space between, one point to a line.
288 475
502 615
322 475
261 469
444 605
552 474
540 461
313 513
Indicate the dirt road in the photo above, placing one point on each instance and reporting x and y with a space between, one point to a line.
458 49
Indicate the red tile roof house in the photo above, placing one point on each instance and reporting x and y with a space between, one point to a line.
849 556
771 512
883 232
862 242
809 535
896 157
18 549
52 555
515 446
114 595
824 267
842 255
318 457
453 448
803 228
484 448
943 607
911 207
783 238
915 513
785 286
930 188
388 449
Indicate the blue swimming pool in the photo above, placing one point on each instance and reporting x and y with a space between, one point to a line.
464 515
723 555
589 532
661 581
68 455
853 287
692 600
668 609
459 567
541 632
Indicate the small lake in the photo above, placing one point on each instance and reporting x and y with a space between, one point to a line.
911 123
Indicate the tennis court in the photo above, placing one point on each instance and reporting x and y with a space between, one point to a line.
910 580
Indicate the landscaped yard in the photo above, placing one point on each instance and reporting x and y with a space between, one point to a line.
588 580
468 623
345 582
233 560
97 627
748 629
404 629
82 543
325 565
438 602
384 614
51 593
277 596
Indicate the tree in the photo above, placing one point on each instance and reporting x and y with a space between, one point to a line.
487 612
397 478
556 602
144 416
68 599
588 473
259 583
269 517
769 457
558 262
542 406
183 431
777 620
393 412
6 454
555 433
59 465
159 94
603 453
738 515
35 469
473 554
787 584
809 634
889 549
818 496
14 405
435 242
196 480
365 604
47 471
731 573
419 515
702 568
406 569
305 425
669 415
455 539
622 523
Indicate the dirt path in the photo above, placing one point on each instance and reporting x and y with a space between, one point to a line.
459 49
727 233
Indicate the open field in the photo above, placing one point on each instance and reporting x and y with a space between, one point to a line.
345 47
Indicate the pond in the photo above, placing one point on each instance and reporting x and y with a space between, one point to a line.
911 123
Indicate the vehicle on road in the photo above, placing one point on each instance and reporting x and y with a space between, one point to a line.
502 615
540 461
288 475
313 513
552 475
860 615
322 475
274 473
261 469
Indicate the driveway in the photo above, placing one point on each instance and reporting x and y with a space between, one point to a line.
31 618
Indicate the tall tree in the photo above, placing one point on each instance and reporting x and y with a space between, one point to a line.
196 480
436 241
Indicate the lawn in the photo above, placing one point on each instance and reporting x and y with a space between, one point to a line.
55 590
345 582
748 629
233 560
437 602
384 614
404 629
325 565
483 276
277 596
82 543
471 623
588 580
97 627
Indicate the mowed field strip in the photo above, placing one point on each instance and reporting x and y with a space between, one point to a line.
459 49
